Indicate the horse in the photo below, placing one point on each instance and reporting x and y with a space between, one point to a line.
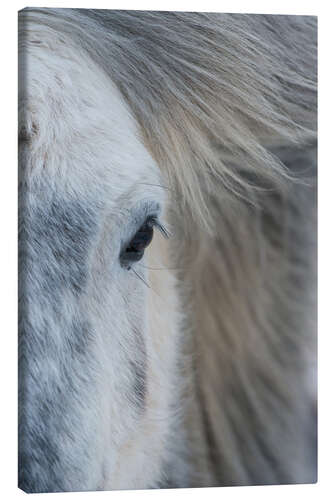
167 249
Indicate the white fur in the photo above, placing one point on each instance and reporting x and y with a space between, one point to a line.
86 144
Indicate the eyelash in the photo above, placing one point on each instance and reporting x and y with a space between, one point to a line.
160 227
134 250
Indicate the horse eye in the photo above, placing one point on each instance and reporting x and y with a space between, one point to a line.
135 249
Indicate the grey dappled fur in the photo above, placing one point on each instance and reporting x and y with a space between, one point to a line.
226 105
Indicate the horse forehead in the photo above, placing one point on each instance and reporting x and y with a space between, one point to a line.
75 119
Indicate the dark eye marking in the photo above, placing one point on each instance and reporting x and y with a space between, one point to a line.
143 237
135 249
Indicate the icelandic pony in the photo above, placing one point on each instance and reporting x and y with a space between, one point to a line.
167 249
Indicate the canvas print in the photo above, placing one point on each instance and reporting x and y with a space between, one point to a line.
167 249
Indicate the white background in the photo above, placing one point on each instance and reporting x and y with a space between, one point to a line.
8 247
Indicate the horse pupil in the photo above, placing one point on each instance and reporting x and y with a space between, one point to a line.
142 238
135 250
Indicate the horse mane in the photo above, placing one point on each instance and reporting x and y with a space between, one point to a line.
226 105
207 89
